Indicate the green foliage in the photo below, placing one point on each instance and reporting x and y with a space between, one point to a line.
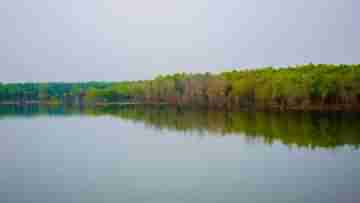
300 86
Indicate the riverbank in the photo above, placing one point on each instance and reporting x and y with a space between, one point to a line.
20 103
269 108
99 104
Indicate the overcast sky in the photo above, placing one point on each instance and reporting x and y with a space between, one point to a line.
82 40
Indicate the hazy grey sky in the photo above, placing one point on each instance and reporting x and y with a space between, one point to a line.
81 40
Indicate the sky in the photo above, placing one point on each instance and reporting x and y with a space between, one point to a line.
115 40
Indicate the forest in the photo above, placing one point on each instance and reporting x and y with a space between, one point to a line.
300 87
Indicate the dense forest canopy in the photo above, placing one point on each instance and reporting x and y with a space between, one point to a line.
310 86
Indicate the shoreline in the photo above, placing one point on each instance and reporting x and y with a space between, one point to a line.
314 108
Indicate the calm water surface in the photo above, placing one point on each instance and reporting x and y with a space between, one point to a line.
148 154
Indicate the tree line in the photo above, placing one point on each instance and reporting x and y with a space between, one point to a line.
47 92
299 87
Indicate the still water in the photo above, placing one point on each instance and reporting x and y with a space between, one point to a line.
161 154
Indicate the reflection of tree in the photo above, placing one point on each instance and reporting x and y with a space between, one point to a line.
299 129
293 129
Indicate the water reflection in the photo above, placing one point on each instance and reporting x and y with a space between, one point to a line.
309 130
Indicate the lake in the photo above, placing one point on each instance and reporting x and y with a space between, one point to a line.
162 154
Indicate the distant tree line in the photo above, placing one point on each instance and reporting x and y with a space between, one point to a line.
47 92
300 87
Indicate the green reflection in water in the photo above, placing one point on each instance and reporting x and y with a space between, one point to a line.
309 130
